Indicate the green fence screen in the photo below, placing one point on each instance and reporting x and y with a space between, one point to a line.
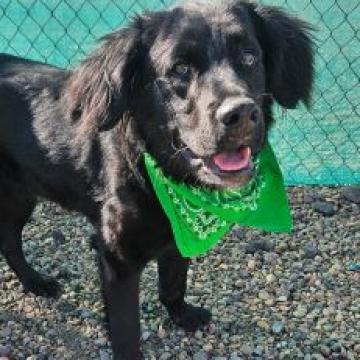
316 146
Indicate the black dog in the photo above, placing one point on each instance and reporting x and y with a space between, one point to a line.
190 85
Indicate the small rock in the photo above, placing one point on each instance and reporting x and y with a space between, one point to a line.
300 311
102 341
258 351
165 356
264 295
270 278
354 267
339 317
161 332
5 332
201 355
352 194
104 355
300 336
58 238
325 350
86 314
336 347
43 349
263 324
251 265
239 232
183 356
246 349
51 333
317 356
26 340
243 274
234 356
335 269
277 327
4 351
325 208
207 347
311 250
259 245
145 335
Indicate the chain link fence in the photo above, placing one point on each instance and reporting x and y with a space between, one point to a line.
316 146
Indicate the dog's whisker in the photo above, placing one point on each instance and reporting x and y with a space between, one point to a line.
270 95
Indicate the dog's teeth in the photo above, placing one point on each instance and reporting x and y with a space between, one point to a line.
196 162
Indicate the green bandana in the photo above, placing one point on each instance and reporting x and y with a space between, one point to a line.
200 217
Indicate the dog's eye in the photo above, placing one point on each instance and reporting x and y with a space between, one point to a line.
183 71
248 58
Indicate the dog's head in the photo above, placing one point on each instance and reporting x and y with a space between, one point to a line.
200 79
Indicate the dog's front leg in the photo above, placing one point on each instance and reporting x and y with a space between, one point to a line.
121 296
172 286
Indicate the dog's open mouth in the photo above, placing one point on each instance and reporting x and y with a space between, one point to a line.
224 168
230 163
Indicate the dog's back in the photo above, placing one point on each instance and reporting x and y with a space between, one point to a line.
29 92
22 83
34 132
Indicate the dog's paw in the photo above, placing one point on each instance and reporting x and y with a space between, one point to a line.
43 286
190 317
120 355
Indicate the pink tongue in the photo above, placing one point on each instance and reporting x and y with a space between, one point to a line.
233 161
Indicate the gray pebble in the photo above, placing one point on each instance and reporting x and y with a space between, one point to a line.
317 356
58 238
325 208
325 350
234 356
246 349
239 232
300 336
336 347
258 351
51 333
104 355
352 194
5 332
165 356
300 311
311 250
201 355
145 335
86 314
259 245
277 327
4 351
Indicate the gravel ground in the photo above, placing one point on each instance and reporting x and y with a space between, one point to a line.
272 296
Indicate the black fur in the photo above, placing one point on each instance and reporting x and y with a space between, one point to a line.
183 84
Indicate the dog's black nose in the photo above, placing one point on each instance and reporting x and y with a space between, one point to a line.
234 111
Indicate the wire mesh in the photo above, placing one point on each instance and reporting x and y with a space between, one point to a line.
315 146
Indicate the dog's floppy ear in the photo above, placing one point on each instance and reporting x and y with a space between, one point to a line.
288 55
100 88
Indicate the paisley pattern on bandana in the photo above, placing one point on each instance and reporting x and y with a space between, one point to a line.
204 223
200 217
